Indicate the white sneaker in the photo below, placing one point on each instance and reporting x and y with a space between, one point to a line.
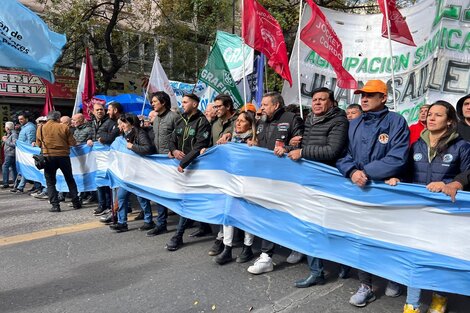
263 264
393 289
294 257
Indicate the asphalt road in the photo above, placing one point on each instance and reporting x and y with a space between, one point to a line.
69 262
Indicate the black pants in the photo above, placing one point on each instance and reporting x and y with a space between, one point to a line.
365 278
267 247
50 171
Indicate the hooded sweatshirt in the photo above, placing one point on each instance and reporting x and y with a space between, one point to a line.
462 128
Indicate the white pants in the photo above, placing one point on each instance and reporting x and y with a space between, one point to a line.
228 237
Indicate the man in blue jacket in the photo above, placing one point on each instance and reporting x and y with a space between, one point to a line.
377 150
27 135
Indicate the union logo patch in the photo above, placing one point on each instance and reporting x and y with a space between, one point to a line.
447 158
417 157
383 138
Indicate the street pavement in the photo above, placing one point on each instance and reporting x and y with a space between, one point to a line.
69 262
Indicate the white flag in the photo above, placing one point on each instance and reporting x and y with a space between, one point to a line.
80 88
158 81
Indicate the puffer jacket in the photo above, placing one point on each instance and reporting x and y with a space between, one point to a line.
10 144
163 127
106 129
27 133
444 166
283 126
325 139
378 145
141 143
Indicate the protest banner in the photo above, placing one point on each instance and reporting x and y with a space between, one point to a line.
437 68
405 233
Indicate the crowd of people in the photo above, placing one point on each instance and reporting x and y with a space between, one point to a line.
366 142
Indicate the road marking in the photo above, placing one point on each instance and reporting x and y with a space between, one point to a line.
5 241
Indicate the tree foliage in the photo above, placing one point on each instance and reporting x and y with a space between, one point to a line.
106 27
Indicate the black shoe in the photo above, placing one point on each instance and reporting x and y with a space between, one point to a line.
54 209
107 219
99 211
5 186
224 257
157 231
147 226
175 243
89 200
311 280
16 190
140 216
216 248
119 228
344 271
246 255
201 233
76 203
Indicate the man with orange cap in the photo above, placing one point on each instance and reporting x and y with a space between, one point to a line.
377 150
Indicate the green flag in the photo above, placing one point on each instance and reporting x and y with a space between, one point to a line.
217 75
231 47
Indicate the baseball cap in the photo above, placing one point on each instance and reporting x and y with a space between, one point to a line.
374 85
249 107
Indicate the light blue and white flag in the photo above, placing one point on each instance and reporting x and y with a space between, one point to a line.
89 166
404 233
26 41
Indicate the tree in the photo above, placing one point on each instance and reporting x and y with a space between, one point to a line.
186 31
113 30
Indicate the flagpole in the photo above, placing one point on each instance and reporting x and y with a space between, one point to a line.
148 86
298 60
243 54
78 96
391 56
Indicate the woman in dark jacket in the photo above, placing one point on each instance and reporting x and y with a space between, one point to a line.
435 159
139 142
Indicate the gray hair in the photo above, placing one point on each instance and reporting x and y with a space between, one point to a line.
53 115
10 125
275 98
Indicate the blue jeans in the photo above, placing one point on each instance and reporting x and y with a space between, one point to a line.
315 265
104 197
162 215
182 225
22 184
9 161
123 202
412 297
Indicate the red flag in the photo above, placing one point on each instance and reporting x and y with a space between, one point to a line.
262 32
399 30
89 87
48 106
319 36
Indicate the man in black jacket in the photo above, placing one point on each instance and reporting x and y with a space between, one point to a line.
274 131
105 130
325 140
191 134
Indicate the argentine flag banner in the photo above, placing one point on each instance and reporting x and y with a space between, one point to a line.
26 42
404 233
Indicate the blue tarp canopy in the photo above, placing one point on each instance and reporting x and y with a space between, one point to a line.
131 103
